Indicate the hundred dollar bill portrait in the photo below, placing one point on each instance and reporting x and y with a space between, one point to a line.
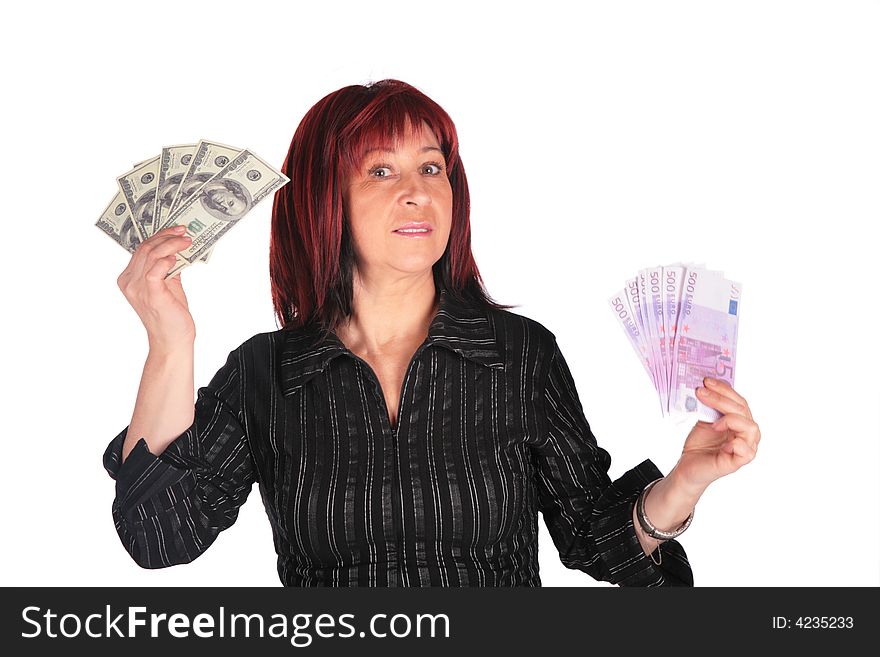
142 212
192 185
128 236
225 199
168 190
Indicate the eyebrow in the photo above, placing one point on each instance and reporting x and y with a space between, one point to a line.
385 149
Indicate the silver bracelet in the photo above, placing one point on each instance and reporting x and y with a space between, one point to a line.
646 524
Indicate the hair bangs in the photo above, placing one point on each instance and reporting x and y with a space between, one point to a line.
386 121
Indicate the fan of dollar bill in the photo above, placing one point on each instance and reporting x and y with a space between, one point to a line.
682 321
207 187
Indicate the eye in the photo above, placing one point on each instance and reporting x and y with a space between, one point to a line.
379 168
437 166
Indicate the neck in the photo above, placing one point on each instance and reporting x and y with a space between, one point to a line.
387 315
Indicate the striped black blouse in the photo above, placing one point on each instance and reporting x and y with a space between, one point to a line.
490 431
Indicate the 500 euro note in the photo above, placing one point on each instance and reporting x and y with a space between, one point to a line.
631 325
657 329
682 321
671 278
634 298
705 344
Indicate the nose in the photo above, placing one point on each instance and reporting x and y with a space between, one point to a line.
414 189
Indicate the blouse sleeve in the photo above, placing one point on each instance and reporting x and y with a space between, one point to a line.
589 516
169 508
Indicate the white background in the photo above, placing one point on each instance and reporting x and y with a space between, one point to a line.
599 138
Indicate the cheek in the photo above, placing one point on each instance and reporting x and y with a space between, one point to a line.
442 193
447 207
367 240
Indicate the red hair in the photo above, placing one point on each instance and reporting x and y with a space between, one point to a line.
311 257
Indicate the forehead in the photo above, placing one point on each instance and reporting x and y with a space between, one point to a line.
410 136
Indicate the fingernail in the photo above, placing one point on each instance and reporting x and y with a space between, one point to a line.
179 229
711 382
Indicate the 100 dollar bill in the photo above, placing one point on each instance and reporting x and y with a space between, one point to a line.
221 202
209 157
116 222
174 162
138 186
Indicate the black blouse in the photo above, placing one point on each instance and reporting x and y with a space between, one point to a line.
490 431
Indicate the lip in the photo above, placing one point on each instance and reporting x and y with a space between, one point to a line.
415 224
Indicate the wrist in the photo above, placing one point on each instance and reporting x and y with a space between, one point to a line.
668 505
684 489
160 351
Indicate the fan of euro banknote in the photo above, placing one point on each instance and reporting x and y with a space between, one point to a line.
682 321
207 187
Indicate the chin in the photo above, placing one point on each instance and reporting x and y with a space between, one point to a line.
415 264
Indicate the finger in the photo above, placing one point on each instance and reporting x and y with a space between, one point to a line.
175 278
739 449
741 426
168 246
157 272
161 236
720 402
176 229
160 245
722 387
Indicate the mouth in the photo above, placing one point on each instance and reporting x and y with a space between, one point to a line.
414 229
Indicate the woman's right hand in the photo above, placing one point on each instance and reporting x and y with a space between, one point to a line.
160 302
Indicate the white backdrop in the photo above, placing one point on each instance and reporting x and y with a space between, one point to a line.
597 141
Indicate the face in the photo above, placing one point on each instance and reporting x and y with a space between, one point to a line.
143 211
226 201
391 188
166 194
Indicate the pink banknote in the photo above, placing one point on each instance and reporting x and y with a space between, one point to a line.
631 323
682 321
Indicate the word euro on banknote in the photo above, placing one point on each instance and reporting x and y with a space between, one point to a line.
221 202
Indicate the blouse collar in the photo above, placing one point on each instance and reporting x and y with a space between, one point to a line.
466 331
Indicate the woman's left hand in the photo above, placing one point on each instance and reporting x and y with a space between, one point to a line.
713 450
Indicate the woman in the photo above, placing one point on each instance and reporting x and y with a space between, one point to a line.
404 429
